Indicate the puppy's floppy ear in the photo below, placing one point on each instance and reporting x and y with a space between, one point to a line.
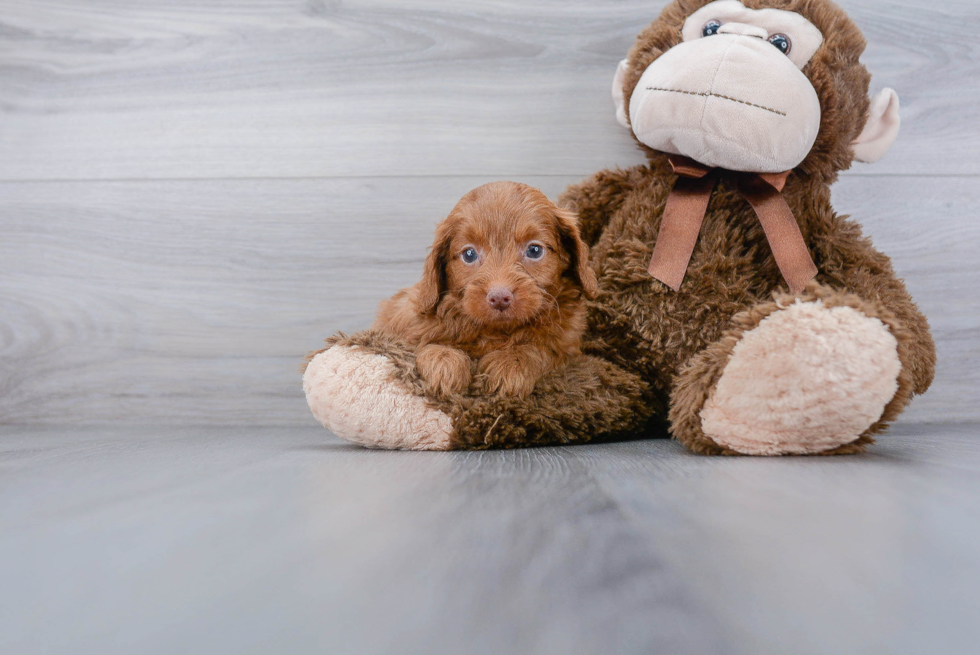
566 222
433 283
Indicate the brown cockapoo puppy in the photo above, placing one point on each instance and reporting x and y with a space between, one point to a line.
734 307
503 293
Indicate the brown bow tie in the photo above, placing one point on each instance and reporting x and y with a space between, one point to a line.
684 213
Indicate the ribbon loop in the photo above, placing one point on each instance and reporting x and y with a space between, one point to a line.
688 203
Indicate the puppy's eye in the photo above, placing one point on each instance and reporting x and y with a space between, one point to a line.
710 28
469 255
534 251
782 42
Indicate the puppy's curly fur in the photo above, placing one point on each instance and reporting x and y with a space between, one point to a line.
504 284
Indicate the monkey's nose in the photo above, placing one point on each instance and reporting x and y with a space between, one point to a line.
500 298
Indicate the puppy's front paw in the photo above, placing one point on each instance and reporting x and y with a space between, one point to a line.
445 370
505 374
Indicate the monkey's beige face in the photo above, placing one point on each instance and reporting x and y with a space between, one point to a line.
732 94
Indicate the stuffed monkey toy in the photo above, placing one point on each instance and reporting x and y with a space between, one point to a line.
735 308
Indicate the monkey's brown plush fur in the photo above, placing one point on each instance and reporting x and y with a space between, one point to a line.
652 353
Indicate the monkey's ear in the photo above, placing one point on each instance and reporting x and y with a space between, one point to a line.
617 93
571 241
881 129
430 288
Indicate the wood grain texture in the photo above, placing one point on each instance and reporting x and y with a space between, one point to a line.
176 89
194 301
251 540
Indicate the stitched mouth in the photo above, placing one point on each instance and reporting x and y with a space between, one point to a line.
708 94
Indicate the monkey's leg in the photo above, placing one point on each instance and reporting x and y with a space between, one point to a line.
366 389
814 375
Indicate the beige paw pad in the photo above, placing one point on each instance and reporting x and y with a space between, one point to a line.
355 395
807 379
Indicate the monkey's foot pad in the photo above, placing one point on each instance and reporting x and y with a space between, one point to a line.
807 379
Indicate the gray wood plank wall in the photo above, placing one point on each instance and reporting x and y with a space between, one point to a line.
194 194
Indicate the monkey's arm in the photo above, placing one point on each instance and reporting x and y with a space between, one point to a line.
366 388
596 198
848 261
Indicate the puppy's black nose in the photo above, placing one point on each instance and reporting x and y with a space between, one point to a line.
500 298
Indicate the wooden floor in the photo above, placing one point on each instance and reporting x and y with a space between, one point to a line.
193 194
279 540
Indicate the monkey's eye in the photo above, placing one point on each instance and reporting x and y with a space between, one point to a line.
535 251
782 42
469 255
710 28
